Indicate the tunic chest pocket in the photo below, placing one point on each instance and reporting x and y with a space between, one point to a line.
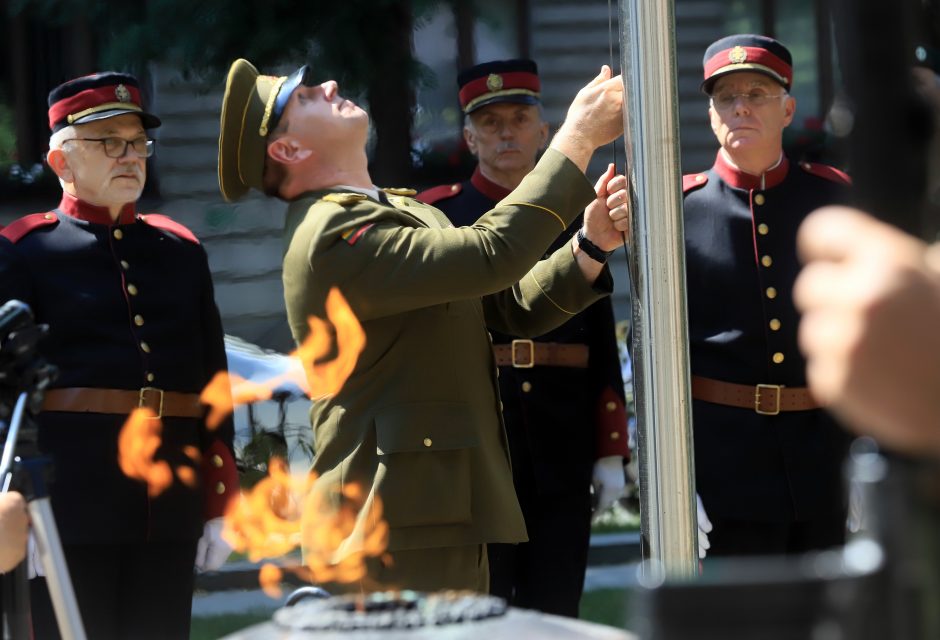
424 463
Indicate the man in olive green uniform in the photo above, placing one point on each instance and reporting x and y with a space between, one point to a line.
432 449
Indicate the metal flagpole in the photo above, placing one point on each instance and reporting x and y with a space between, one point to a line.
660 333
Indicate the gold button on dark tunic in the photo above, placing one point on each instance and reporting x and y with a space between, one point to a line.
766 261
771 293
763 229
131 289
759 198
778 357
139 320
118 234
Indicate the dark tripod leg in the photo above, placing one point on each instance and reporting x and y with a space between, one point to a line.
15 607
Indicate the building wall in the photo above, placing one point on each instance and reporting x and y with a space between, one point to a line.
243 240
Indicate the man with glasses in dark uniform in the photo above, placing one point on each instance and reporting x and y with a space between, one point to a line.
562 392
768 460
133 323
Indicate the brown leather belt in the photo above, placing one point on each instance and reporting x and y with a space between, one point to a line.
525 354
173 404
765 399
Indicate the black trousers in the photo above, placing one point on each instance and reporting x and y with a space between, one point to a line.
745 538
547 572
124 591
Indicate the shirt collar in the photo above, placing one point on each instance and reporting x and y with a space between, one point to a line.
372 193
72 206
487 187
742 180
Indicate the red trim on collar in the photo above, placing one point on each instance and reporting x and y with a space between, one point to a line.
72 206
742 180
487 187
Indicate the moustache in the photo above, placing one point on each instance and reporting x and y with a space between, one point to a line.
507 146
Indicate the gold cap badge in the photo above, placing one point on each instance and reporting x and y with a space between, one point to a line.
122 94
737 55
494 82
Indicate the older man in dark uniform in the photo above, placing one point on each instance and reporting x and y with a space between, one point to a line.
129 302
562 392
768 461
417 425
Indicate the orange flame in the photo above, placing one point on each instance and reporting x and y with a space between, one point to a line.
269 577
225 391
327 378
267 522
137 444
316 378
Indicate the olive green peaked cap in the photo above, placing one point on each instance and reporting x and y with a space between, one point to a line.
246 111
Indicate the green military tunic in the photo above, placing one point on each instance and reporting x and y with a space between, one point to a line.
418 422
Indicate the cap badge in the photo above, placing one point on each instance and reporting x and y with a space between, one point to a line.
122 94
737 55
494 82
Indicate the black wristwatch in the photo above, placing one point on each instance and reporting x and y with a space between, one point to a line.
592 250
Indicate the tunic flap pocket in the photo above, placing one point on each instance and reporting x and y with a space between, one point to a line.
435 426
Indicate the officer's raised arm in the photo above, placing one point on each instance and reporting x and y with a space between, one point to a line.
595 118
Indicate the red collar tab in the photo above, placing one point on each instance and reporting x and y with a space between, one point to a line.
742 180
438 193
72 206
487 187
754 59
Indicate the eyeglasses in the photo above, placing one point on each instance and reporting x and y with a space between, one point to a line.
117 147
725 101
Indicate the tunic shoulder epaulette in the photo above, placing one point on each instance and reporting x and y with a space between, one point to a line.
169 224
18 229
693 181
827 172
438 193
400 191
344 199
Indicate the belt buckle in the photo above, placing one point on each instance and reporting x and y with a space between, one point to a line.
143 403
757 391
531 346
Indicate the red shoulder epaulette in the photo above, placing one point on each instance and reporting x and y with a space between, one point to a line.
440 192
169 224
17 230
693 181
827 172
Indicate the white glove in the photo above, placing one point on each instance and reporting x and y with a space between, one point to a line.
34 568
608 480
212 550
704 527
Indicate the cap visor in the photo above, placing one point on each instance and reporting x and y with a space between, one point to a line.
148 120
517 99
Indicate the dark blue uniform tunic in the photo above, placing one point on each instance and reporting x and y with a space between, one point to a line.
129 305
741 263
559 420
